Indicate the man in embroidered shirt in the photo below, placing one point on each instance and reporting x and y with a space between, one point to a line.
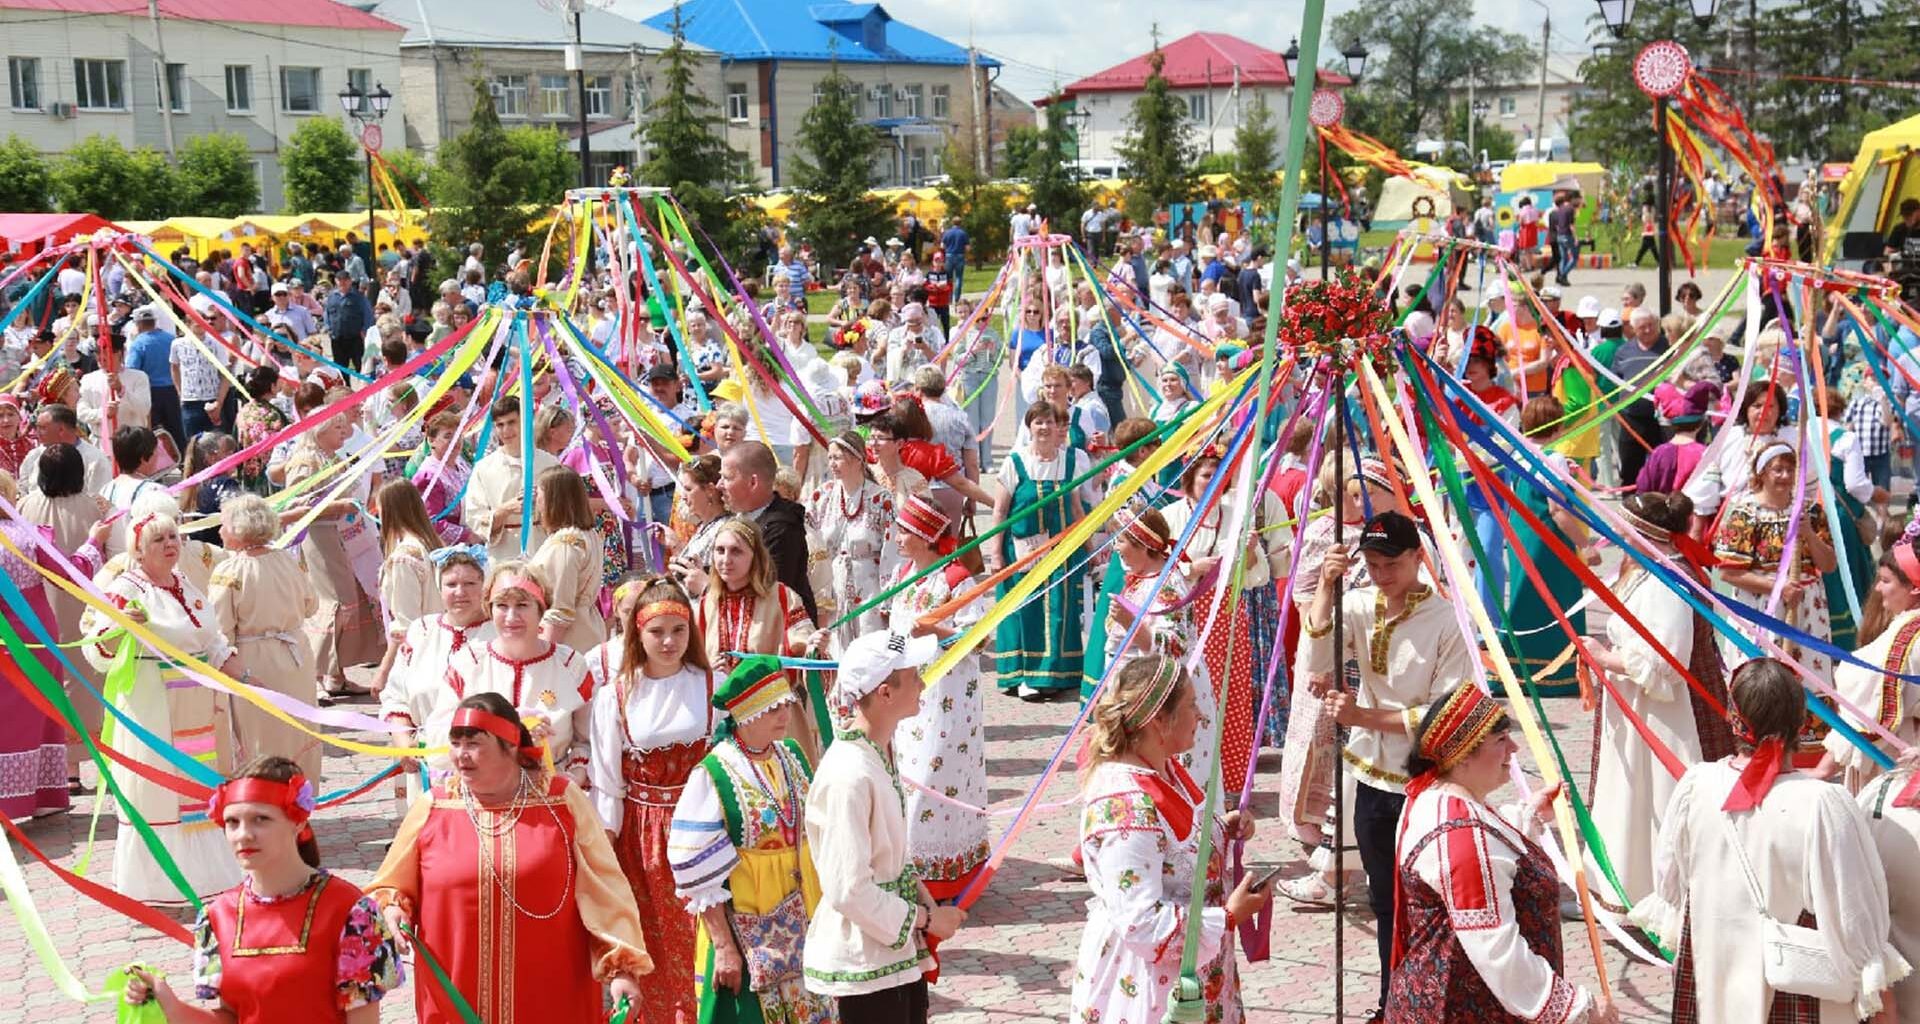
1410 654
492 504
866 944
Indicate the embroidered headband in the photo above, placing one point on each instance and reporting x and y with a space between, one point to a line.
499 728
1153 697
1465 718
439 556
294 798
1647 529
1375 472
654 609
520 581
1908 562
630 587
923 519
54 385
1145 535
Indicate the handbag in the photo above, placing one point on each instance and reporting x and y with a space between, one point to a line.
1796 960
771 942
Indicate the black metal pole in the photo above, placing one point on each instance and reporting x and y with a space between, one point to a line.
1326 236
373 242
1663 206
580 80
1338 383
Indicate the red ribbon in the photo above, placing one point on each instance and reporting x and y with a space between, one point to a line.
138 911
1757 777
1910 793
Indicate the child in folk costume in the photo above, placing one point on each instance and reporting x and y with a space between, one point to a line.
291 942
740 859
604 661
1896 647
651 722
1477 903
744 609
1142 547
547 683
1139 839
942 750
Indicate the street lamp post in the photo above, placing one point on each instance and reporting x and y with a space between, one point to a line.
368 109
1660 69
579 55
1325 111
1475 112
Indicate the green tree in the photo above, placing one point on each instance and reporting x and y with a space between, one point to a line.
1497 142
1054 184
99 176
216 176
684 139
320 167
490 180
1418 50
980 205
412 175
1158 147
540 164
833 171
1806 40
1256 152
26 177
1017 153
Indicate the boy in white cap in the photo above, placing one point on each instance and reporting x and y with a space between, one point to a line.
867 942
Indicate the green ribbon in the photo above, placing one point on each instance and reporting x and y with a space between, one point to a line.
425 956
115 988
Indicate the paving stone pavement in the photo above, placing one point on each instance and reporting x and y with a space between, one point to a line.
1011 964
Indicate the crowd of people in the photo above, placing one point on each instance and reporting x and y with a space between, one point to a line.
634 780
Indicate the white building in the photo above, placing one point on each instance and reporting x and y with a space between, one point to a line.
1515 106
78 68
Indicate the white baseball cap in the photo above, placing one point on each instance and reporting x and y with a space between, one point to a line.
1589 307
873 657
1609 318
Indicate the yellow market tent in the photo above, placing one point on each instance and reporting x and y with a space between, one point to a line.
1526 177
1884 173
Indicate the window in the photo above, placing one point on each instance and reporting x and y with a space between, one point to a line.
737 102
916 165
882 96
100 84
1508 106
600 96
239 88
915 102
942 102
510 95
1197 107
174 87
23 83
553 95
361 80
300 90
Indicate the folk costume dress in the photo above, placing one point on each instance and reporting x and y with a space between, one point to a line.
776 624
1308 763
739 840
554 687
1170 631
158 694
1140 843
1892 805
409 588
1816 866
943 748
417 693
262 600
572 560
523 904
854 534
1891 700
33 749
308 957
1041 644
1753 536
648 736
1538 639
1631 788
1478 920
340 552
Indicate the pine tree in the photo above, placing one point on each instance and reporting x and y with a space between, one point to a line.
1256 152
686 147
480 182
833 171
1053 180
1158 148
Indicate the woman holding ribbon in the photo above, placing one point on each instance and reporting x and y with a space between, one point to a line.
152 689
942 751
1726 469
291 942
1893 646
261 598
740 859
573 557
417 696
852 515
652 720
1477 904
1139 839
507 878
1039 648
1631 786
33 744
1751 852
341 548
547 683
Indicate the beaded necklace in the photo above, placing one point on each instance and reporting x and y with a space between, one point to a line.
787 816
503 825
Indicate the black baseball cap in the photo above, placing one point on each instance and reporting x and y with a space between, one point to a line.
662 371
1391 534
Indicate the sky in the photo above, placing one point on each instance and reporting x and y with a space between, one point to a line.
1043 41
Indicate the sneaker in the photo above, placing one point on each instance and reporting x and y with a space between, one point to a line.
1310 889
1034 695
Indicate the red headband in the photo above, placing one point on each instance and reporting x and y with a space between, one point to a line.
1908 562
499 728
1146 536
293 797
654 609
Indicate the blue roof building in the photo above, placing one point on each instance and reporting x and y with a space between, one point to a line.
916 88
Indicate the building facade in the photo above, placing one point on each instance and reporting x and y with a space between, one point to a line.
258 69
1515 106
916 89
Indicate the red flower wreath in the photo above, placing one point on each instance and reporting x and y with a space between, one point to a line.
1321 317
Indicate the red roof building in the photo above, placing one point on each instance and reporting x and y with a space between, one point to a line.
1198 61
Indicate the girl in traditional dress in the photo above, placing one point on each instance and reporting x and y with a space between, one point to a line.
1039 648
1892 806
407 587
1477 907
161 698
33 751
1139 839
604 661
1141 548
1893 643
59 501
740 858
417 694
572 558
1725 471
442 476
942 751
507 876
1747 839
1631 787
292 942
743 609
338 544
852 516
547 683
261 598
652 721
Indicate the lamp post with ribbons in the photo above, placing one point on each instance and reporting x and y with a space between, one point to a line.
368 109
